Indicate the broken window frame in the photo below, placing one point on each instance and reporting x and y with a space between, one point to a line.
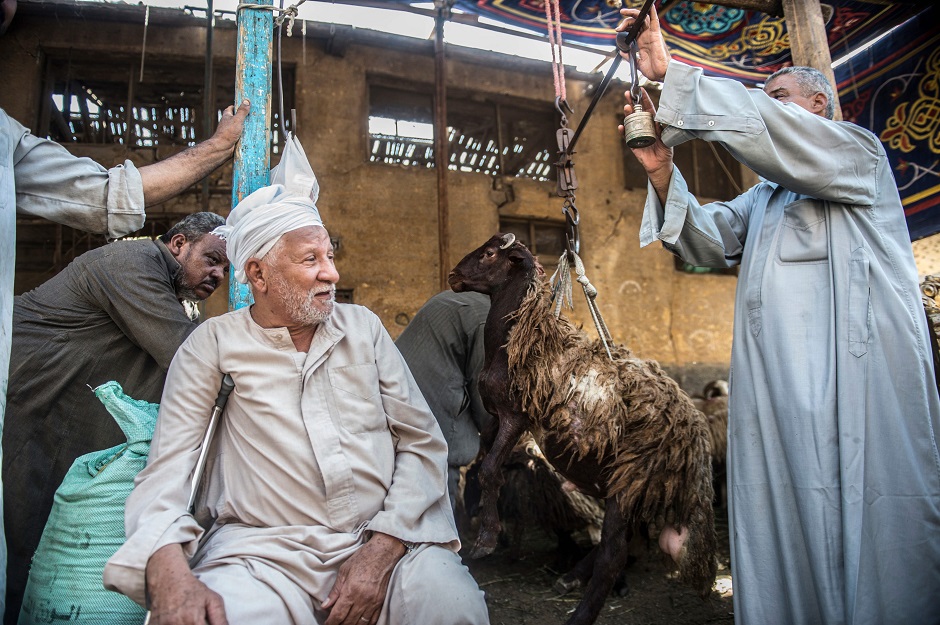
530 231
478 130
110 103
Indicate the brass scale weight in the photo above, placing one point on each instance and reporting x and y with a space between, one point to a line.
638 129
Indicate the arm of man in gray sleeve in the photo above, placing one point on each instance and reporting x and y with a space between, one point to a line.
164 179
75 191
707 236
783 143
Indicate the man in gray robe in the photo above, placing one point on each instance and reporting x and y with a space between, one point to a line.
40 178
833 465
326 498
443 346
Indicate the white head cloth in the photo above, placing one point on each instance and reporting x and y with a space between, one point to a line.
257 223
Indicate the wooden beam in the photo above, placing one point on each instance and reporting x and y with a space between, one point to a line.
441 146
808 42
208 95
471 19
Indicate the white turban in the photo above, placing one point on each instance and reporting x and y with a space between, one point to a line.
257 223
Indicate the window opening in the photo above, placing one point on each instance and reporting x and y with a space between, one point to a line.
401 130
489 137
707 171
544 238
95 102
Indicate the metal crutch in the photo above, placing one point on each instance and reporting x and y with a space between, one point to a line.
227 385
226 389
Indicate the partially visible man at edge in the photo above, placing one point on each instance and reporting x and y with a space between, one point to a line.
44 180
327 497
114 313
833 472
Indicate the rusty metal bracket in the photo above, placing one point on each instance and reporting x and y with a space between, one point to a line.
572 232
567 181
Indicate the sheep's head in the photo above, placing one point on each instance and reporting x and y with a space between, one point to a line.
716 388
492 265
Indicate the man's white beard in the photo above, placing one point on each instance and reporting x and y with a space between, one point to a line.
302 307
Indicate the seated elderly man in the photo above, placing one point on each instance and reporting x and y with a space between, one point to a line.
327 495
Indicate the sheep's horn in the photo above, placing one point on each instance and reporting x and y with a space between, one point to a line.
508 240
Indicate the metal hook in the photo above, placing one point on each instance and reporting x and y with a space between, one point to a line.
572 219
561 106
623 41
635 94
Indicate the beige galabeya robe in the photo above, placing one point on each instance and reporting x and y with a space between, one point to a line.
314 451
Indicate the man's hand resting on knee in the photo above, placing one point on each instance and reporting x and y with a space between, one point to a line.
176 596
359 592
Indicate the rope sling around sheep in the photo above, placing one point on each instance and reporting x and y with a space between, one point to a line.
567 182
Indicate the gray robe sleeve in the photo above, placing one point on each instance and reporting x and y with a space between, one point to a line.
783 143
706 236
75 191
759 132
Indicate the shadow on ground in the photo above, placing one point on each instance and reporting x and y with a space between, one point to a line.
519 592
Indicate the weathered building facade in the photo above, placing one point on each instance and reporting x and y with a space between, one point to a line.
354 92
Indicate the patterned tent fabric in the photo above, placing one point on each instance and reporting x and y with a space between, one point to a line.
893 89
734 43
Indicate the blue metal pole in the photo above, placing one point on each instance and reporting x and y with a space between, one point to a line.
252 81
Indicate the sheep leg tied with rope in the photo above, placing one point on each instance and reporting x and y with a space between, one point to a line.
614 425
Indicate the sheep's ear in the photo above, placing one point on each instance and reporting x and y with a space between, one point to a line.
516 256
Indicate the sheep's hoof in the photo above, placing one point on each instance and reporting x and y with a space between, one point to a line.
481 550
563 585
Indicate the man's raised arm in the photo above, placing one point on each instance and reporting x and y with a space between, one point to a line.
167 178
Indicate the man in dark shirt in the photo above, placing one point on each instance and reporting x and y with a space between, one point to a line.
443 346
115 313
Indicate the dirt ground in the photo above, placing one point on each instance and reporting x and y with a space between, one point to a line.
519 592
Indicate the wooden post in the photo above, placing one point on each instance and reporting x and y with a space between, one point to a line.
253 153
808 42
129 134
441 146
208 94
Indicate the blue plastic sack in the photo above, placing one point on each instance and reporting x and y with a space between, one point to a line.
86 526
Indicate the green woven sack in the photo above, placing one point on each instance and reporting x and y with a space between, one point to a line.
86 526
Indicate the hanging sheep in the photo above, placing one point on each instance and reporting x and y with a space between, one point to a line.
618 429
